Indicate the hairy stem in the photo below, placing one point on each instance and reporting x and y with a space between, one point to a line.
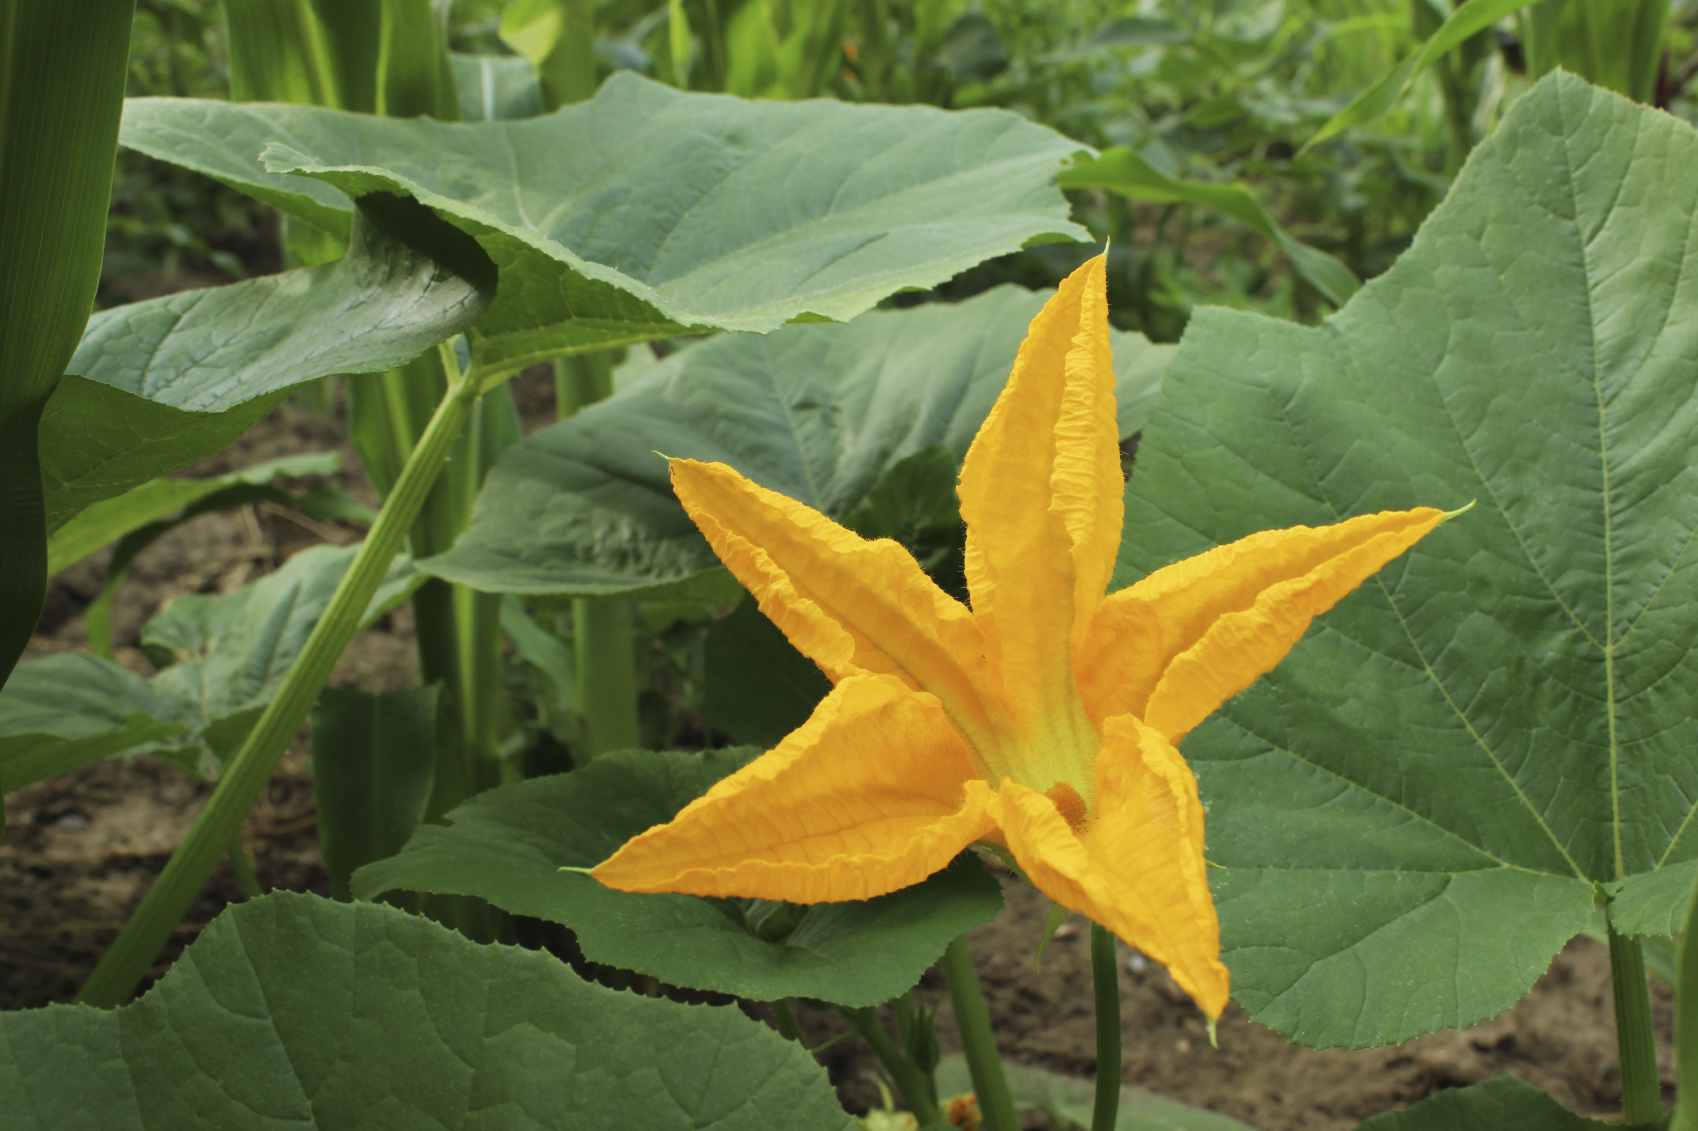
978 1043
1641 1091
127 960
1105 977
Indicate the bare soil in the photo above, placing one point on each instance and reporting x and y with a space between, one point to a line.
80 850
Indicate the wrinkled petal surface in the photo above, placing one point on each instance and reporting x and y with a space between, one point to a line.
1178 644
1041 496
851 605
1136 867
873 793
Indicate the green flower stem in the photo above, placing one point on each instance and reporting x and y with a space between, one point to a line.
1641 1091
125 963
786 1018
1686 1025
978 1043
1105 976
904 1073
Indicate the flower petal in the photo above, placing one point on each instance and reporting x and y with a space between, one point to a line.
851 605
1178 644
1041 496
1137 867
873 793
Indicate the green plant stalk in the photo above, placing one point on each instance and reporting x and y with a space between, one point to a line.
1641 1091
978 1043
459 639
127 960
602 629
607 677
1686 1025
904 1073
1105 978
457 629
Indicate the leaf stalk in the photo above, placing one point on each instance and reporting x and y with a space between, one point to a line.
127 960
1641 1090
1685 1116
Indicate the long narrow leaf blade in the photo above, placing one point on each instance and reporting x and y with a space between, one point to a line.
1474 16
62 70
1124 171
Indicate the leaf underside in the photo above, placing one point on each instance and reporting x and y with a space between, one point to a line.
645 210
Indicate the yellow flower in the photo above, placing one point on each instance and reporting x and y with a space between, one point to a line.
1044 719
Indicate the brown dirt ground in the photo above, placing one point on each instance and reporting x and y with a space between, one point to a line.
80 850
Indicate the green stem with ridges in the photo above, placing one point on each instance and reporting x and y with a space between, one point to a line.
1686 1024
1105 978
127 960
1641 1090
978 1043
904 1073
603 630
602 633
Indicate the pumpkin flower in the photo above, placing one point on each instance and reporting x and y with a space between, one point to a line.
1041 721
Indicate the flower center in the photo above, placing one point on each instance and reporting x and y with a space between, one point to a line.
1068 803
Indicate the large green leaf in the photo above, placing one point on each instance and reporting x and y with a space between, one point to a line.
68 710
758 687
227 656
294 1011
820 413
509 844
646 210
62 69
1410 813
1500 1104
1654 903
175 378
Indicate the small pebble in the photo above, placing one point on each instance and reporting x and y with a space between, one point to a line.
1136 963
71 822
